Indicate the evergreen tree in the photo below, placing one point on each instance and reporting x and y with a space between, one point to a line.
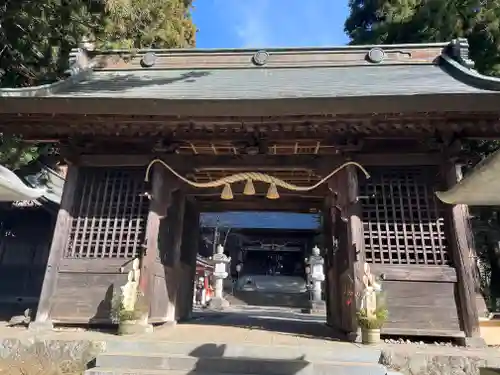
36 37
416 21
420 21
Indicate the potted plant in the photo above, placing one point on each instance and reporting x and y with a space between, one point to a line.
130 318
371 323
372 313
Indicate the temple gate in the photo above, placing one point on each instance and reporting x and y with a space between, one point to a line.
290 116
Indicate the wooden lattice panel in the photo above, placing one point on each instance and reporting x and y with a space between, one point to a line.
109 214
402 220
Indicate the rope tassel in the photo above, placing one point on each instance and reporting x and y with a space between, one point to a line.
272 192
249 188
227 193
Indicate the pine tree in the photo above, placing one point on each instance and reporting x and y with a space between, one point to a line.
420 21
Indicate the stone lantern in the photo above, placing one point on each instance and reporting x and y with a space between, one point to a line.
316 276
220 261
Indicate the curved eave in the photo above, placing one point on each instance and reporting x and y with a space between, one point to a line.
12 188
468 76
480 188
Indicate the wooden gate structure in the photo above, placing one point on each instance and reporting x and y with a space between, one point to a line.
400 111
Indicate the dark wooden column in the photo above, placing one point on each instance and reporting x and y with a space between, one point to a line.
189 252
463 254
331 275
158 206
355 235
172 264
57 248
345 214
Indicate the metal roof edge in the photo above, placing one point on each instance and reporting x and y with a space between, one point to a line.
347 48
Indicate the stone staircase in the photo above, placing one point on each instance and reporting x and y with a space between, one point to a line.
171 358
258 298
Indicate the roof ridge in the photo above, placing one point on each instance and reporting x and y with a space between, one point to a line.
358 47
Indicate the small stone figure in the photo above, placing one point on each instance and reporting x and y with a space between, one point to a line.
369 299
130 289
19 320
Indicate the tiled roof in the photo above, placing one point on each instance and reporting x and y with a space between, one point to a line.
264 83
403 70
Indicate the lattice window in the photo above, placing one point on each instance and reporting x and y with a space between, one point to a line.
402 220
109 214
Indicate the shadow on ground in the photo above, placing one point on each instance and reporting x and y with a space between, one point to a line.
291 323
206 354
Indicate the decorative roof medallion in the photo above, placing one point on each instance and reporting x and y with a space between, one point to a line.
260 58
148 60
376 55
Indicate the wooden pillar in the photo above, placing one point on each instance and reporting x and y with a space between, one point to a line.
172 253
189 252
463 254
57 248
356 238
331 276
158 206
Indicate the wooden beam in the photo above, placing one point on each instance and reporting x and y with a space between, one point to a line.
304 206
463 254
57 248
268 162
441 274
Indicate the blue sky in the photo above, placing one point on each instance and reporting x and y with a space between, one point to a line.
269 23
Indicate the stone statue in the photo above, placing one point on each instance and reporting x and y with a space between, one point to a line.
369 296
130 289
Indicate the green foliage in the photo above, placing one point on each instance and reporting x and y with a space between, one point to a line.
375 322
148 23
36 37
119 314
420 21
380 316
416 21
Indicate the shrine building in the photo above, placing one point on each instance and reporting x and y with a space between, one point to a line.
152 138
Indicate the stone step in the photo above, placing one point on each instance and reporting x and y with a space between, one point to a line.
260 298
114 371
347 352
235 365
